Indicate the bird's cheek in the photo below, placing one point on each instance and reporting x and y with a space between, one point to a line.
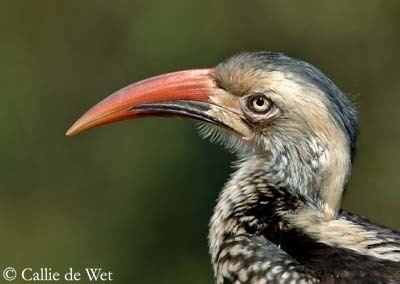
227 108
233 119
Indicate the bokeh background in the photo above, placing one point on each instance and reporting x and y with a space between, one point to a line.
135 197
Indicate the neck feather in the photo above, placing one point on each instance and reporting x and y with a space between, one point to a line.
285 180
261 199
248 202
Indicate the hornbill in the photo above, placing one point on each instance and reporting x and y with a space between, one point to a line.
278 219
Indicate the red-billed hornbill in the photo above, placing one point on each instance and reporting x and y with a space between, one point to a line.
278 219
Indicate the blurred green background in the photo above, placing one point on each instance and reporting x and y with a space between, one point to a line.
135 197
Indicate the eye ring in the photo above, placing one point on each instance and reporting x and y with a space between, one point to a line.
259 103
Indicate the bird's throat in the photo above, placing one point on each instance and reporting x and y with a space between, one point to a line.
250 203
260 197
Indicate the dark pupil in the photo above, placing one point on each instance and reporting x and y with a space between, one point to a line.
260 101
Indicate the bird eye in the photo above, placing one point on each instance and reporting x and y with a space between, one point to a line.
259 103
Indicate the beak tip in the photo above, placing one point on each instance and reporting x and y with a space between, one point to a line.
69 132
73 130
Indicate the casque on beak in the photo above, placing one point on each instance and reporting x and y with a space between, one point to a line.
184 94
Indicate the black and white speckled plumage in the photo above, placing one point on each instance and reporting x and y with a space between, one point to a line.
252 240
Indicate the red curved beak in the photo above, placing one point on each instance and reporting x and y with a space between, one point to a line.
184 93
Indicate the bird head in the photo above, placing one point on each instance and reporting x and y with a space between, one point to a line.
264 106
